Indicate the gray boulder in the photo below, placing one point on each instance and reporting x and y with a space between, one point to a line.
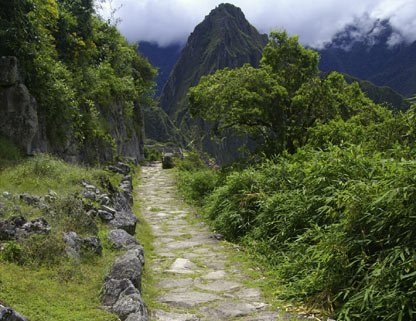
92 244
75 245
138 316
72 245
120 239
125 220
7 231
38 226
113 289
129 304
8 314
29 199
129 266
105 215
167 161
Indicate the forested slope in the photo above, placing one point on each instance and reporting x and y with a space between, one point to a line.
326 201
89 84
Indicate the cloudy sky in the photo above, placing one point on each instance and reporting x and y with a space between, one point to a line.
315 21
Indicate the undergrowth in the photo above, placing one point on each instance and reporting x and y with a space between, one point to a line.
337 226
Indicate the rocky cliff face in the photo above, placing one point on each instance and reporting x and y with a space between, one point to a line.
224 39
18 109
20 122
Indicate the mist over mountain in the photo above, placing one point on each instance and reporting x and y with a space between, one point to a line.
379 54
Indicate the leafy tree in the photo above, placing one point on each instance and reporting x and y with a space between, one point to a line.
278 102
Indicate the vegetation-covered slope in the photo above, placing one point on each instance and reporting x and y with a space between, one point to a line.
329 210
89 84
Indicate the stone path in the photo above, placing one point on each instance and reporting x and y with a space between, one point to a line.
196 278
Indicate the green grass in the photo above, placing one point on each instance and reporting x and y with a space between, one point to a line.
36 277
38 174
66 292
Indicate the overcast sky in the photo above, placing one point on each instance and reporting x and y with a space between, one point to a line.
315 21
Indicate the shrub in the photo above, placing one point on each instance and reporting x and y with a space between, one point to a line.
337 225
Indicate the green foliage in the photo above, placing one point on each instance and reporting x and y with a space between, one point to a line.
337 226
197 184
38 174
291 62
75 65
9 152
279 102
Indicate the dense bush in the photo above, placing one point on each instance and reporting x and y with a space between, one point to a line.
338 226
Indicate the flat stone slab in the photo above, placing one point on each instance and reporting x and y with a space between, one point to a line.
249 294
182 266
219 286
180 245
160 315
188 299
216 275
175 283
230 310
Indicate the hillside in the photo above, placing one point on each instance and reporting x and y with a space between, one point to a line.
70 84
372 57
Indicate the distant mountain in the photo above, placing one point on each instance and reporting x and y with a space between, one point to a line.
379 55
164 58
224 39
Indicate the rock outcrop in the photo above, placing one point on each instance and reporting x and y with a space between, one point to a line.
8 314
21 122
18 109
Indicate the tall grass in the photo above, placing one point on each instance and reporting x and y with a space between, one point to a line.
338 226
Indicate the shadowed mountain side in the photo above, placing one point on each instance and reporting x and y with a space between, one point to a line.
373 58
224 39
164 58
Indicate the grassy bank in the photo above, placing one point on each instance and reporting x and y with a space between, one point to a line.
36 277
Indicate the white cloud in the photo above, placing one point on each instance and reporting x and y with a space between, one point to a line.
170 21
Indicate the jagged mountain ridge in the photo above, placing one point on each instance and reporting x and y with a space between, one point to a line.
224 39
374 56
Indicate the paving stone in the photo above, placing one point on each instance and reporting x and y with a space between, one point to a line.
229 310
175 283
216 275
160 315
188 299
182 266
219 286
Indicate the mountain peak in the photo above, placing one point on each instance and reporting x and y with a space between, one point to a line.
223 39
227 9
